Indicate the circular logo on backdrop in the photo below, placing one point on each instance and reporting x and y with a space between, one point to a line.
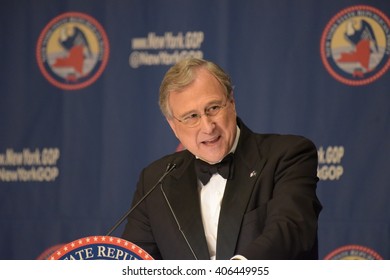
72 51
353 252
355 45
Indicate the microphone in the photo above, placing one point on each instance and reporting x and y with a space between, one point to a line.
177 222
169 169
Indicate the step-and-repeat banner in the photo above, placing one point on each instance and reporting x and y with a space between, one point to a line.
79 116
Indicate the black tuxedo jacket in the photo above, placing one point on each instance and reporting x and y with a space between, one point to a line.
269 209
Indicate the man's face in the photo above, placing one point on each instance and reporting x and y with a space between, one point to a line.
214 136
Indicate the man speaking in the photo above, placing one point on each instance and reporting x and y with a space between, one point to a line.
232 193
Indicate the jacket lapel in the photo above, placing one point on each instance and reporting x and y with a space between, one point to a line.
247 168
186 206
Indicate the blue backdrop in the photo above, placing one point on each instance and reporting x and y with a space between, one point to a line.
79 116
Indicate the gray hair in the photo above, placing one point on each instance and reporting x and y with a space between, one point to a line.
182 74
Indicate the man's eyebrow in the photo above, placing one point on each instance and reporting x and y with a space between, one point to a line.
195 111
188 113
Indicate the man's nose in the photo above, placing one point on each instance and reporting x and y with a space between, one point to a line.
207 123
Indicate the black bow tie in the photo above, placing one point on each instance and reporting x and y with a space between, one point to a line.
204 170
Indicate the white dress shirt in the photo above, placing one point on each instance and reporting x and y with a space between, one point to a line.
211 196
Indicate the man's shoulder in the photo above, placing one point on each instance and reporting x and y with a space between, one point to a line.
273 139
284 143
281 138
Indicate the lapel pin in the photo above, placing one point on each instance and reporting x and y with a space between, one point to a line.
253 173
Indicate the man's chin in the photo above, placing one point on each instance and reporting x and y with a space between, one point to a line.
212 160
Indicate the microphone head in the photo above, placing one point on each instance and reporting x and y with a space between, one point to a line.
172 165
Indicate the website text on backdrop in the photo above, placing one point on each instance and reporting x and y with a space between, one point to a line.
260 202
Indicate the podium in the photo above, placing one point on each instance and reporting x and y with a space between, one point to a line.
100 248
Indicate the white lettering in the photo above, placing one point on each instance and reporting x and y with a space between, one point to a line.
168 48
29 165
329 163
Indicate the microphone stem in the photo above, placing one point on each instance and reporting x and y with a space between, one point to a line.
177 222
170 167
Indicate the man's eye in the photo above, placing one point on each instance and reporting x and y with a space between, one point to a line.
191 117
214 108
